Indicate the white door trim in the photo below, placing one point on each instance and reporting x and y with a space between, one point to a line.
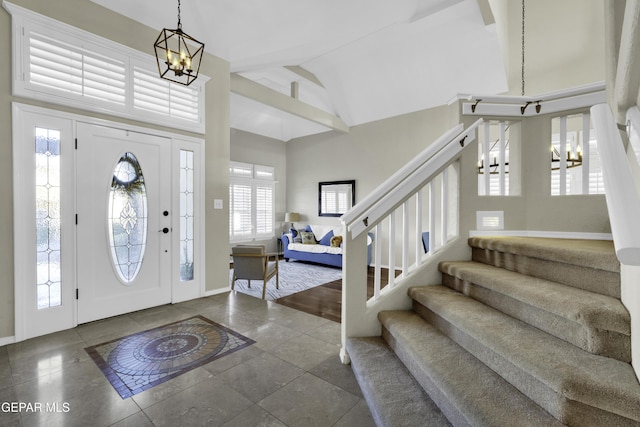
29 321
20 199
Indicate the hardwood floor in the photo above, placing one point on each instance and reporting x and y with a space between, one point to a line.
326 300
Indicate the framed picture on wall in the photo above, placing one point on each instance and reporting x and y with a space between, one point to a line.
336 197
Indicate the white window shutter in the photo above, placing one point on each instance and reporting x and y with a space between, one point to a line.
58 63
251 204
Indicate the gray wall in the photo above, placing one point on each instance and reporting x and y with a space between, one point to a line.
535 209
372 152
564 48
98 20
369 153
259 150
564 43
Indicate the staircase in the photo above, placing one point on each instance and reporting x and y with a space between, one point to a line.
531 332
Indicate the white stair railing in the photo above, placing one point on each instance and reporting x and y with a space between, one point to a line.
623 198
427 186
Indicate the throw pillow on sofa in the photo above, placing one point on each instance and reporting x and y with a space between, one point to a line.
307 238
295 236
326 240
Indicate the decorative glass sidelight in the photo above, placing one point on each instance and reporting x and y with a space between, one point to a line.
127 217
186 215
48 218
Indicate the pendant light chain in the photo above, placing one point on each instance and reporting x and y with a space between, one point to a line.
522 64
178 54
180 24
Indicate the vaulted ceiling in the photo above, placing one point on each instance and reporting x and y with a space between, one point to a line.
360 60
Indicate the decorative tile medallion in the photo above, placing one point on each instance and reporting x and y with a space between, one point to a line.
140 361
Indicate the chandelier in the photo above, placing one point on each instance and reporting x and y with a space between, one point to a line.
178 55
573 159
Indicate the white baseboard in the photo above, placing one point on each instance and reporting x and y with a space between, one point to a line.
550 234
216 292
7 340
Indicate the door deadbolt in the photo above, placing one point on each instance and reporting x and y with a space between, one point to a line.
165 230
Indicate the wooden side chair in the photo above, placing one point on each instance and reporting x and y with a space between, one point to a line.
253 263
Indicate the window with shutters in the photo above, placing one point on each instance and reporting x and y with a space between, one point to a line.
575 161
251 202
499 159
58 63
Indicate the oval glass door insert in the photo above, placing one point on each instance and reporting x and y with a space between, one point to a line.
127 217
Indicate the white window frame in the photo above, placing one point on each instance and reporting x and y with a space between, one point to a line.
566 181
255 177
503 153
25 21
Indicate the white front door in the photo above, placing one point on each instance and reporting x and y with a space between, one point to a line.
124 221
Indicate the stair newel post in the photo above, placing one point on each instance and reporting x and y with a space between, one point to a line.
355 319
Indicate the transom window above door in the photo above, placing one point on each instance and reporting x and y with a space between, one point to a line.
62 64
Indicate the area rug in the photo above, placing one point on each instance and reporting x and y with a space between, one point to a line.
140 361
295 277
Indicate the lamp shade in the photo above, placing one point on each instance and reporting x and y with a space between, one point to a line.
291 217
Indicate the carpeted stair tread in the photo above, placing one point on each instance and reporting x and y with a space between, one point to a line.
466 390
598 254
394 396
596 323
585 264
577 387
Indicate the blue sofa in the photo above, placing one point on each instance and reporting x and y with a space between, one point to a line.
307 252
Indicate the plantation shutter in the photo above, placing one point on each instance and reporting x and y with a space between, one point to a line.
240 210
264 210
151 93
60 67
251 204
61 64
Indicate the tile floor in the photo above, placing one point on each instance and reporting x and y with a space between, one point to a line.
291 376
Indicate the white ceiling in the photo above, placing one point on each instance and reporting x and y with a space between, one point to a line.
374 58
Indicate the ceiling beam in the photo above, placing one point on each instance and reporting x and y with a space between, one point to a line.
486 12
304 73
248 88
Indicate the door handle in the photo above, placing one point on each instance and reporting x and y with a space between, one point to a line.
164 230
